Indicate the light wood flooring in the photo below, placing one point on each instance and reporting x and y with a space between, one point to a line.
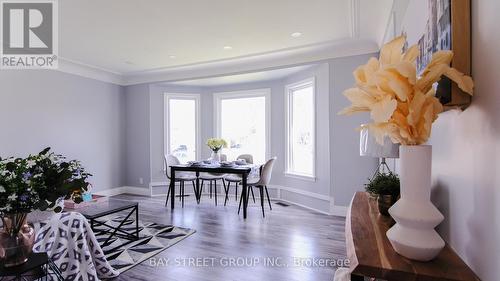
224 241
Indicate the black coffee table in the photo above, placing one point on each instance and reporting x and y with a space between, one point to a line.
96 211
38 267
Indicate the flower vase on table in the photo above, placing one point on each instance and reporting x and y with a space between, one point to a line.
215 156
29 185
16 239
216 145
403 106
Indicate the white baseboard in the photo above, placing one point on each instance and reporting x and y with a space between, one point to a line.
334 210
125 189
304 206
340 211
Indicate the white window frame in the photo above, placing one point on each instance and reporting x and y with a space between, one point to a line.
266 93
166 122
288 122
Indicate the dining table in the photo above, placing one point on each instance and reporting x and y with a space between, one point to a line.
215 168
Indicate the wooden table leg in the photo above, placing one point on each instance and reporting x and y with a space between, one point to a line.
172 188
244 191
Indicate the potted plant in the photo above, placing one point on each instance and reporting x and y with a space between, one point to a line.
386 188
403 106
37 182
216 144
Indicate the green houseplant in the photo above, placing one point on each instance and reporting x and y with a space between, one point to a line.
387 189
37 182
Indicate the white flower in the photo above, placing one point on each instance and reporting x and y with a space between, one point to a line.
2 189
31 163
12 197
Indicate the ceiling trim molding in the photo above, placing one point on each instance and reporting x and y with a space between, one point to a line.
262 62
355 14
89 71
233 66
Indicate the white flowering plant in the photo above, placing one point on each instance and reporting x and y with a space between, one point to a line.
39 181
216 144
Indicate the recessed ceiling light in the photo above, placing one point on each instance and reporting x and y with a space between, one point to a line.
228 48
296 34
172 56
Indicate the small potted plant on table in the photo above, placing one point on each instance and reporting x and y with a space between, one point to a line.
386 187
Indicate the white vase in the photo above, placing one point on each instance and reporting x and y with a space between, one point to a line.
215 157
413 236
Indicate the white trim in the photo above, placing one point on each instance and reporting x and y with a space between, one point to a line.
265 92
354 20
298 176
288 57
166 130
89 71
302 192
124 189
388 32
334 210
288 117
253 63
339 211
305 207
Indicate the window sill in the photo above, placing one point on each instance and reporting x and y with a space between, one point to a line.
300 176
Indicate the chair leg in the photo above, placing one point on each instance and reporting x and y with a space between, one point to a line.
241 199
168 194
268 199
201 188
215 185
182 193
210 189
253 196
195 192
261 189
236 192
227 192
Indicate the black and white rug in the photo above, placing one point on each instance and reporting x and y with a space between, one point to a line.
154 238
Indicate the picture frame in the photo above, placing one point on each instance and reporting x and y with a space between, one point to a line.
442 25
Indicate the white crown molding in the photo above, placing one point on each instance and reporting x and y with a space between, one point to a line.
89 71
261 62
239 65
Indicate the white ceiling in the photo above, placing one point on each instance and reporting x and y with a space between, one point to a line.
260 76
127 37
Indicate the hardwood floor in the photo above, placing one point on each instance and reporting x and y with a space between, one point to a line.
224 241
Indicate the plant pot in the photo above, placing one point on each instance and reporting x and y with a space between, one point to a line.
413 236
16 240
384 202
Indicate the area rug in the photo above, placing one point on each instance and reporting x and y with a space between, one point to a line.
154 238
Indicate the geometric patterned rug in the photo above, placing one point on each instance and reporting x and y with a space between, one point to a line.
154 238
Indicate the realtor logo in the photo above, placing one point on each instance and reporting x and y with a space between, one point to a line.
29 34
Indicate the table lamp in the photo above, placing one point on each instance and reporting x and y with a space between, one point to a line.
368 146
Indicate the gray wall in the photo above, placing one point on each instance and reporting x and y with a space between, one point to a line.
340 169
78 117
137 135
466 155
349 171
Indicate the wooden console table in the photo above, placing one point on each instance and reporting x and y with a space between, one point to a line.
371 254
